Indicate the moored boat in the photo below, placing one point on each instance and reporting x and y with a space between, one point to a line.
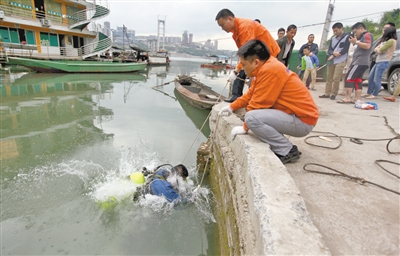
59 36
77 66
196 93
218 62
159 58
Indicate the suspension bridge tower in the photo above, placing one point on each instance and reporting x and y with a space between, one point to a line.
160 33
327 24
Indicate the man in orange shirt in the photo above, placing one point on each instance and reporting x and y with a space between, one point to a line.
277 102
243 30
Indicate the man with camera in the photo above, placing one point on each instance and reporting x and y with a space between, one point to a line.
336 62
363 40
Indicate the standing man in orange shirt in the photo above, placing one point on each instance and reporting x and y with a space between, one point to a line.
243 30
277 102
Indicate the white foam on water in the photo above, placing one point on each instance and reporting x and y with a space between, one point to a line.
39 175
101 184
199 198
116 183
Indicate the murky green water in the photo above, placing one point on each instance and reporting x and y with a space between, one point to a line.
68 141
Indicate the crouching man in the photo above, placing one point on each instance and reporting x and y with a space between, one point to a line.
277 102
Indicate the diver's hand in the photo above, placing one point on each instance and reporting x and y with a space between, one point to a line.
232 76
238 130
226 111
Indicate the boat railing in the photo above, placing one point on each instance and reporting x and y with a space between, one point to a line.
17 10
100 8
101 43
28 12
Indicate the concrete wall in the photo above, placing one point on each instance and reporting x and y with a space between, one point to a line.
259 209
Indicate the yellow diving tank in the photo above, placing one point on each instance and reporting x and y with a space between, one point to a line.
137 178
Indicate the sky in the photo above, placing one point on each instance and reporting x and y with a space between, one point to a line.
198 17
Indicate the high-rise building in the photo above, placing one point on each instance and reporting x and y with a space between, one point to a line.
107 24
216 44
190 38
131 34
185 38
208 43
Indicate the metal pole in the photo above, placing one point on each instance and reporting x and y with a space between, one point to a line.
327 25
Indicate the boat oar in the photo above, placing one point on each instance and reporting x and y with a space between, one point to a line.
170 82
163 84
155 88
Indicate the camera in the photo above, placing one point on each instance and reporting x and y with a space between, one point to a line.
351 34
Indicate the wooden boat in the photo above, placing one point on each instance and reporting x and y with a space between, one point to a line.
76 66
217 65
217 62
196 93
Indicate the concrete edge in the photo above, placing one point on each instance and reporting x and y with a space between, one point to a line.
271 214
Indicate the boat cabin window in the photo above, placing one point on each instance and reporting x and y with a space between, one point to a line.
14 36
30 37
5 35
49 39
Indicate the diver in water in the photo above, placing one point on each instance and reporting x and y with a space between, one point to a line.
157 183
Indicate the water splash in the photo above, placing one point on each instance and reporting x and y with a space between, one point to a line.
200 198
69 179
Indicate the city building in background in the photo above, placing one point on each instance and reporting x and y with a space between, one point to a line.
185 37
190 38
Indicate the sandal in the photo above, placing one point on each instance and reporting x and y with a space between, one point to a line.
371 97
343 101
342 93
365 95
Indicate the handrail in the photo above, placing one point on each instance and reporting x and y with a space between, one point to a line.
102 45
28 13
88 13
11 10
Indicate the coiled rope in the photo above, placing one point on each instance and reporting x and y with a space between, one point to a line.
359 180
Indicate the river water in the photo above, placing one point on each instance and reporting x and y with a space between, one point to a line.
68 142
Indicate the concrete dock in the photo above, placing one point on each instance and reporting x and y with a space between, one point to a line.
353 218
282 209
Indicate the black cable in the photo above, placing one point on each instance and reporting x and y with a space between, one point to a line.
357 141
353 139
354 178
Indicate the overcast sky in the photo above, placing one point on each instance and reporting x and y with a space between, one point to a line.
198 17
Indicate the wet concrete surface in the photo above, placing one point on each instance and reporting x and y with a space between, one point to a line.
353 219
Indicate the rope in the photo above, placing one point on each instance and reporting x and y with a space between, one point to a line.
201 128
386 170
209 157
359 180
198 133
352 139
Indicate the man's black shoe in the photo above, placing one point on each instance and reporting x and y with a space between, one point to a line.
292 156
332 97
324 96
229 100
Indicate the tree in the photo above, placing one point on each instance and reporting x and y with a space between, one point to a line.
392 16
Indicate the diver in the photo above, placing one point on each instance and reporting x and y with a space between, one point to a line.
157 183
